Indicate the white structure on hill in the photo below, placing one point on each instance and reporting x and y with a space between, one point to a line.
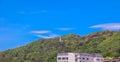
60 40
79 57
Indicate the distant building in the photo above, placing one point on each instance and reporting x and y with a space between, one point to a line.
79 57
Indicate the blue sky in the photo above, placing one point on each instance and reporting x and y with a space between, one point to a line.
23 21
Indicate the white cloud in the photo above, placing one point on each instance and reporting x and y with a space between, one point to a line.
108 26
44 34
48 36
41 32
65 29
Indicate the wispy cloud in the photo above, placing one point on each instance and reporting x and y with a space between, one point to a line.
108 26
44 34
41 32
65 29
48 36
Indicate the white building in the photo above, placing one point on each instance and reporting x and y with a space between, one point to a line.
79 57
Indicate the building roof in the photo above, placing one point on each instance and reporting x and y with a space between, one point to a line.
82 54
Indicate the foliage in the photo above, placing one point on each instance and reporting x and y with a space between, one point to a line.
45 50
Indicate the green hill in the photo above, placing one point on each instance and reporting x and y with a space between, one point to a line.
45 50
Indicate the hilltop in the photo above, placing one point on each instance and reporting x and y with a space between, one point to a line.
45 50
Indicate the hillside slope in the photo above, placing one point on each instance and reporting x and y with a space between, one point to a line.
45 50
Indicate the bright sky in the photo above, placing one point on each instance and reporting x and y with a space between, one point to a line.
22 21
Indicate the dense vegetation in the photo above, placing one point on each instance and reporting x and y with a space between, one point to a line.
45 50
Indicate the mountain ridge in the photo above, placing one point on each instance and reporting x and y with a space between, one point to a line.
45 50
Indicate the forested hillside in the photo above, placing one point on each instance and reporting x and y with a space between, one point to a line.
45 50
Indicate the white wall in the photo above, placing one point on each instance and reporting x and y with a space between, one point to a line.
98 59
90 59
71 57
